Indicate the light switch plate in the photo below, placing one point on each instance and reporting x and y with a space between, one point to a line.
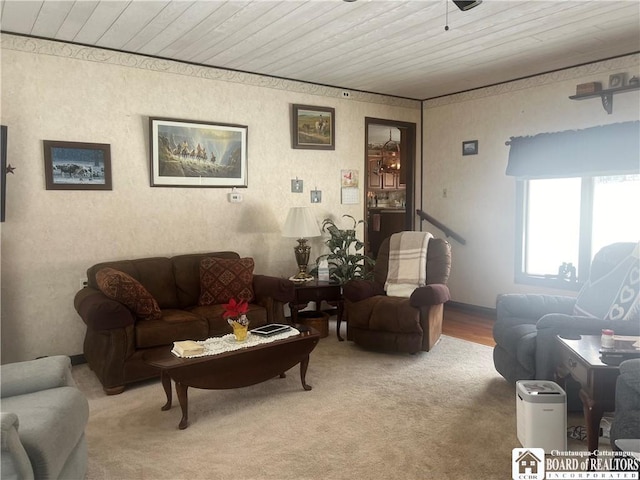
296 186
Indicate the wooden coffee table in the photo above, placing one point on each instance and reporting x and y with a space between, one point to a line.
580 358
235 369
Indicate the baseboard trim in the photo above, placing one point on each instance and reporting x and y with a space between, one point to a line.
491 312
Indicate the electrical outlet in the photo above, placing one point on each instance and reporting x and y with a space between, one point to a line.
82 283
346 94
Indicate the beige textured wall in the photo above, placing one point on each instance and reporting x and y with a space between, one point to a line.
480 198
62 92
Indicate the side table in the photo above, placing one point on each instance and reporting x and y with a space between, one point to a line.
580 358
317 291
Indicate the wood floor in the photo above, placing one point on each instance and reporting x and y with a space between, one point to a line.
468 325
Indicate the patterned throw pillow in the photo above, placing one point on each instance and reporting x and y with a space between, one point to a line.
127 290
222 279
626 305
615 295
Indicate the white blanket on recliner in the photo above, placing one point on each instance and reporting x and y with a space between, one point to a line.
407 263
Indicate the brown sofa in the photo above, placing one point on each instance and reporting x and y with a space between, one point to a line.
116 339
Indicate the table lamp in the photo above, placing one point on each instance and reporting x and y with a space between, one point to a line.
301 224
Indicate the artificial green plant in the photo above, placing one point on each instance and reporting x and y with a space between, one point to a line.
345 260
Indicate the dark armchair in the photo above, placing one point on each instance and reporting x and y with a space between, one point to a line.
381 322
527 324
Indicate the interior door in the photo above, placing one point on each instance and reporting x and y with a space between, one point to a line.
389 196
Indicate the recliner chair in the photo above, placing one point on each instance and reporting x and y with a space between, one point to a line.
527 324
626 420
44 416
380 322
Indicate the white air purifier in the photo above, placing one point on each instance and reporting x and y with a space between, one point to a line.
541 412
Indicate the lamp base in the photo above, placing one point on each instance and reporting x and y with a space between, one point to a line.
302 259
297 279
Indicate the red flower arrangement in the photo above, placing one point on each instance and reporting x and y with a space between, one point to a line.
236 311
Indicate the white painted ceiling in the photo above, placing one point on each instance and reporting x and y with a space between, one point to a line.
390 47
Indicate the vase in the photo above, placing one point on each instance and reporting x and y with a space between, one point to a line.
240 328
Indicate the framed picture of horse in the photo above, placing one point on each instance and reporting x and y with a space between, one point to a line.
188 153
313 127
77 165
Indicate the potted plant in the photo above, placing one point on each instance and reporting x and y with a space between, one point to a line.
345 260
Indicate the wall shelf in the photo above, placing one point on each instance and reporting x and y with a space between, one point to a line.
606 95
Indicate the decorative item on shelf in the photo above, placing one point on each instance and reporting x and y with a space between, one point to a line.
235 313
301 224
617 80
345 261
590 87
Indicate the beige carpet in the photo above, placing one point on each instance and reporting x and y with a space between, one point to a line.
443 414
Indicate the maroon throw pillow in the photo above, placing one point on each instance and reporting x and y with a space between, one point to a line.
222 279
127 290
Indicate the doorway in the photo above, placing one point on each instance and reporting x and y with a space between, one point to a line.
390 152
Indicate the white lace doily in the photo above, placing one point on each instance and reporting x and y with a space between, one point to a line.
228 343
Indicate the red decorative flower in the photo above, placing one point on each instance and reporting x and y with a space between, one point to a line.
235 309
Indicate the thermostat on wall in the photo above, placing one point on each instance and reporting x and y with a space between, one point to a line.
234 197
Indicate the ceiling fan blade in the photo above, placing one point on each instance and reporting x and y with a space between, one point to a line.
465 5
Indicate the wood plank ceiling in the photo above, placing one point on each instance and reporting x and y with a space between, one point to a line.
390 47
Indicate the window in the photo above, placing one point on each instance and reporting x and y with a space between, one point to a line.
564 221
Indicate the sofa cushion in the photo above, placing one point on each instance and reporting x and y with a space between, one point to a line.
119 286
186 271
154 273
386 314
615 295
173 326
222 279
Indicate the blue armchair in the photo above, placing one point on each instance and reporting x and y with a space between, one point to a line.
626 420
43 420
527 324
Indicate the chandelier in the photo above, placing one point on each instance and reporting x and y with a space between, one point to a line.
389 161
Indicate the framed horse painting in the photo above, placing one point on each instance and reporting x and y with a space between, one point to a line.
313 127
189 153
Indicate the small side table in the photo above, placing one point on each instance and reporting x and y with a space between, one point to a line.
581 359
317 291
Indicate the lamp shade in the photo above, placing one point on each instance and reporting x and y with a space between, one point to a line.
300 223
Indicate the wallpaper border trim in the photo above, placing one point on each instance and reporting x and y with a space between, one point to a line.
603 67
93 54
